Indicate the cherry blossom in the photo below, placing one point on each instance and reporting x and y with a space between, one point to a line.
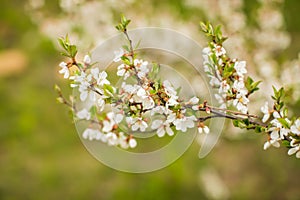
265 110
162 128
84 114
296 127
64 70
118 55
92 134
137 123
87 60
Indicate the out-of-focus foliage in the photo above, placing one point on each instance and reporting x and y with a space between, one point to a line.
41 156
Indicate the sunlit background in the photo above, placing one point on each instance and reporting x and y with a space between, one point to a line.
41 155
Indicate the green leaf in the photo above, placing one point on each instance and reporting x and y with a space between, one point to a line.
108 90
258 129
284 123
126 48
72 50
65 54
62 43
235 123
203 27
285 143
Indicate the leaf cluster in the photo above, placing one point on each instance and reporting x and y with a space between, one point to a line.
122 26
214 34
70 49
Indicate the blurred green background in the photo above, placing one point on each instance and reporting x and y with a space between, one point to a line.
41 156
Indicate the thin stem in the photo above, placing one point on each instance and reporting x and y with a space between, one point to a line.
228 116
232 112
131 54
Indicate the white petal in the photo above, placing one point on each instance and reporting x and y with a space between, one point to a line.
169 131
292 151
206 129
274 135
87 59
161 132
121 72
132 143
298 154
266 117
276 144
200 130
156 124
276 114
267 145
134 127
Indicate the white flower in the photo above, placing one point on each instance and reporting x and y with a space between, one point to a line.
123 141
184 122
64 69
112 120
296 127
112 139
143 96
170 91
203 128
84 82
84 114
295 148
271 142
159 110
215 82
107 125
92 134
219 50
87 60
123 70
240 68
265 110
172 101
132 143
238 85
101 79
162 128
85 92
241 101
137 123
278 131
224 87
142 68
130 89
118 55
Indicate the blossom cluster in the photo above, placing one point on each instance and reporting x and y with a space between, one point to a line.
134 103
231 89
281 129
228 77
226 74
140 98
144 103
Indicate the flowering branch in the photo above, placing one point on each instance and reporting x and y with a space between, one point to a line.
142 96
